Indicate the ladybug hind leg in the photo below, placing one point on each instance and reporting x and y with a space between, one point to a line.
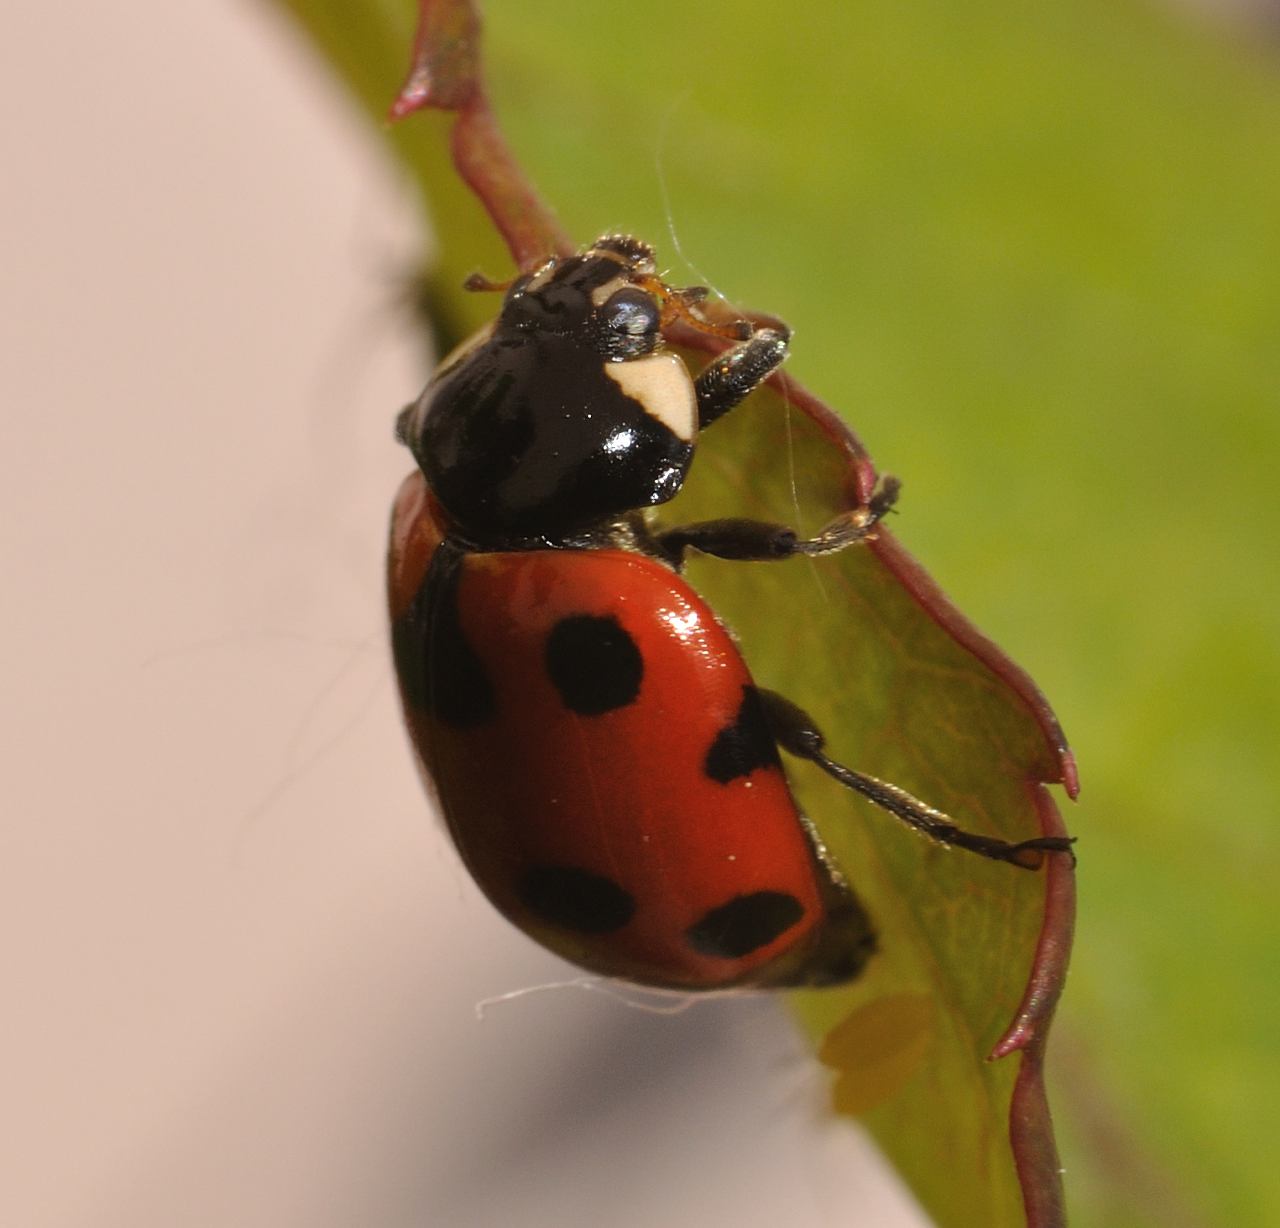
798 734
840 947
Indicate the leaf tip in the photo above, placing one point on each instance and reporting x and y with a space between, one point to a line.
1070 773
414 94
444 71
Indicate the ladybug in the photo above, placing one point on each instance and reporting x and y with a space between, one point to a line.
606 764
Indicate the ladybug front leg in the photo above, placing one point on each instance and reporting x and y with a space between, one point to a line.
797 733
762 541
731 378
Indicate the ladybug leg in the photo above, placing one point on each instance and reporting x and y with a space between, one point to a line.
840 948
847 938
402 423
856 525
797 733
763 541
729 379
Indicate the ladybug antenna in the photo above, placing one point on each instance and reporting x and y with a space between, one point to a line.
686 305
478 281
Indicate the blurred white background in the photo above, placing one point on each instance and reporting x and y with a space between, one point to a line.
240 960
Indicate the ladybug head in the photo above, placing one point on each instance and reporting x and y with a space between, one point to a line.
604 299
565 412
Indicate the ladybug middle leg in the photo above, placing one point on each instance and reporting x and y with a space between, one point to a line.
723 383
761 540
798 734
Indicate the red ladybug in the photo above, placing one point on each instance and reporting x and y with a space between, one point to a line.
607 767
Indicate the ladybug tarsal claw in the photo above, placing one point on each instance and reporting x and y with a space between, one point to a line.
1030 854
885 497
853 526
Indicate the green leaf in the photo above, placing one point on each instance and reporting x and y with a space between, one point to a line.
891 675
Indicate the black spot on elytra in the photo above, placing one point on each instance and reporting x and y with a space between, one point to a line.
438 669
576 899
745 924
593 663
739 749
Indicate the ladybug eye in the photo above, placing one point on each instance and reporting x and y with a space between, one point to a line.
631 313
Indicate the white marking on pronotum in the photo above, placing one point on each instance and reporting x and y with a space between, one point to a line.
660 385
541 276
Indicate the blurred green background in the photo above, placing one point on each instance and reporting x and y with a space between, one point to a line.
1032 254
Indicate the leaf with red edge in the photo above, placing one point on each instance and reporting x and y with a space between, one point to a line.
972 952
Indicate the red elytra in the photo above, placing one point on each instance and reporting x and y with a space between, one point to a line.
624 795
